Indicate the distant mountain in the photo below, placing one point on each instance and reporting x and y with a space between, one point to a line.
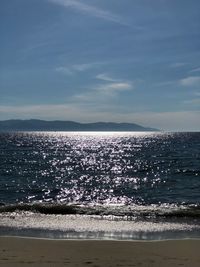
41 125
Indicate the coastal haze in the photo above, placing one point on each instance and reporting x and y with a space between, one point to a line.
39 125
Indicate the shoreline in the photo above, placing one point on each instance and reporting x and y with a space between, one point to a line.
24 251
100 240
86 227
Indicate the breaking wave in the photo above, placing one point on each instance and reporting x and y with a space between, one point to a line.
134 211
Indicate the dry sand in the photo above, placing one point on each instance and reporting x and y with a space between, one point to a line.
21 252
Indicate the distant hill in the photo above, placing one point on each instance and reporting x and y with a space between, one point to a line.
41 125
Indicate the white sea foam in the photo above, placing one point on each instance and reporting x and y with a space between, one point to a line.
81 223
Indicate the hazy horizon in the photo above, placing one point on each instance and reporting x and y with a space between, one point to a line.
99 60
120 122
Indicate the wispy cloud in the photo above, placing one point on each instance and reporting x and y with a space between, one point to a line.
114 87
70 70
165 83
194 101
195 70
90 10
101 93
178 64
197 93
83 67
106 77
65 70
190 81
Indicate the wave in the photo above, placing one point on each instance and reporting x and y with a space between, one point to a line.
133 211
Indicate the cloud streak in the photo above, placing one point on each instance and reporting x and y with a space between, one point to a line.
106 77
105 90
114 87
195 70
102 93
70 70
65 70
90 10
178 65
195 101
190 81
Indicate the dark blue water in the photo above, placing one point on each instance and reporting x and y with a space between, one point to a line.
100 168
100 185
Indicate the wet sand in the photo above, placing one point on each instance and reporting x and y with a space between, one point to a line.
19 252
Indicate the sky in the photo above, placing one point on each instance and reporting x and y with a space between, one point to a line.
101 60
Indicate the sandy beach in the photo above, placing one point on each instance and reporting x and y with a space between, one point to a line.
17 252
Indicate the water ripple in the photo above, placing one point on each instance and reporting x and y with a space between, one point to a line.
122 168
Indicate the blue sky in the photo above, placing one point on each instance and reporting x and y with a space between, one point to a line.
101 60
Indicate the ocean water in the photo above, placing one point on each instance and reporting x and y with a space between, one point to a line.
104 185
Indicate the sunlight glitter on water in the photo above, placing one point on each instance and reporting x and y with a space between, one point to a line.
99 167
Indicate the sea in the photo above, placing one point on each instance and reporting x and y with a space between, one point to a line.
100 185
